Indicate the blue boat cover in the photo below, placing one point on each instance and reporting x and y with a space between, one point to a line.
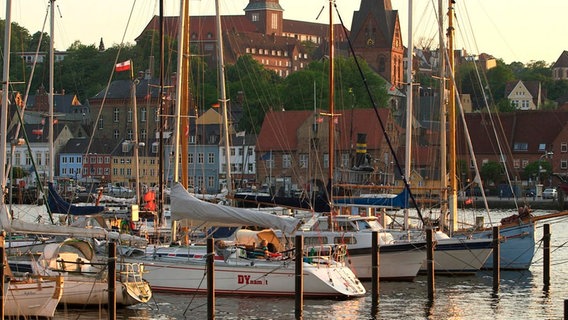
58 205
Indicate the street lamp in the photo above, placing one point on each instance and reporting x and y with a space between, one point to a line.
545 155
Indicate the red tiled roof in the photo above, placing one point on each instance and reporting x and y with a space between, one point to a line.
279 130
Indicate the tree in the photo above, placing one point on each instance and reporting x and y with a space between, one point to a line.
531 171
491 172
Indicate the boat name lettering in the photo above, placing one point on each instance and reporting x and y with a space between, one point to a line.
245 279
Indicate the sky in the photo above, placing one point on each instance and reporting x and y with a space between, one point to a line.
520 30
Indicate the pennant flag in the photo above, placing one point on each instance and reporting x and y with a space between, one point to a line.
55 121
392 88
148 96
215 105
186 131
75 101
37 132
319 120
468 201
241 134
123 66
42 121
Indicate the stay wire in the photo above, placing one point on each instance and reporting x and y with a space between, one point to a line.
373 103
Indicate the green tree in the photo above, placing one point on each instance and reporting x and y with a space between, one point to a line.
492 172
531 171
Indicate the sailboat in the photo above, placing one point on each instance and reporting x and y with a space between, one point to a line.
517 234
181 268
86 286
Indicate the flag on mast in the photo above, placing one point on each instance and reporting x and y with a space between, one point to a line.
123 66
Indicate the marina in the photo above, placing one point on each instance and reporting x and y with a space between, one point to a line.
521 295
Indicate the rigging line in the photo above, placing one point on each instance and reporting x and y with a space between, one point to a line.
28 88
373 103
110 80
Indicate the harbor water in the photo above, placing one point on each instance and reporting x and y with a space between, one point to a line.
521 295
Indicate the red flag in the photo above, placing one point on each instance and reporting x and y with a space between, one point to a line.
55 121
392 88
186 131
319 120
215 105
123 66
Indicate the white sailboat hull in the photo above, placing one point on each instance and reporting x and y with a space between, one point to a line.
460 256
259 277
394 265
33 298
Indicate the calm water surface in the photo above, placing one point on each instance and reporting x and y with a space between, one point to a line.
521 296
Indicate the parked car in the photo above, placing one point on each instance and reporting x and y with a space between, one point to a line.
549 193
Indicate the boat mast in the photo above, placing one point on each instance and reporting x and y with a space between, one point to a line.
409 114
443 138
50 97
135 143
161 101
331 105
452 197
181 94
5 88
184 99
223 98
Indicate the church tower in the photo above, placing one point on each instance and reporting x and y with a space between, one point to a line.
375 32
266 15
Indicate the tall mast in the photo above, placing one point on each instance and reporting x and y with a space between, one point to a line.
443 138
409 117
50 97
161 101
181 93
223 97
5 89
184 99
135 143
331 104
452 197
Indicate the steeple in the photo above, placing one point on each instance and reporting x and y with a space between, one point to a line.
101 45
375 31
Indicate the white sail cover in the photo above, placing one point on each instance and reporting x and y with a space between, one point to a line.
186 206
18 226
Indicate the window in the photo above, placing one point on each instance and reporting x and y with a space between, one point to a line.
116 134
563 147
210 182
17 158
200 157
286 161
326 160
563 164
63 159
38 158
129 115
250 167
100 159
107 159
116 114
210 157
520 146
143 135
303 160
345 160
274 21
101 124
155 147
143 115
254 17
524 163
516 163
542 147
129 134
190 158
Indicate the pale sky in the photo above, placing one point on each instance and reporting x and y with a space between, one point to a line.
520 30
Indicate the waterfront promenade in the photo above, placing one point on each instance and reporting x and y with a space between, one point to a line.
536 203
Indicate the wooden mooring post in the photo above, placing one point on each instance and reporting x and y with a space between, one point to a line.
299 283
430 263
375 260
496 259
112 280
210 279
546 256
